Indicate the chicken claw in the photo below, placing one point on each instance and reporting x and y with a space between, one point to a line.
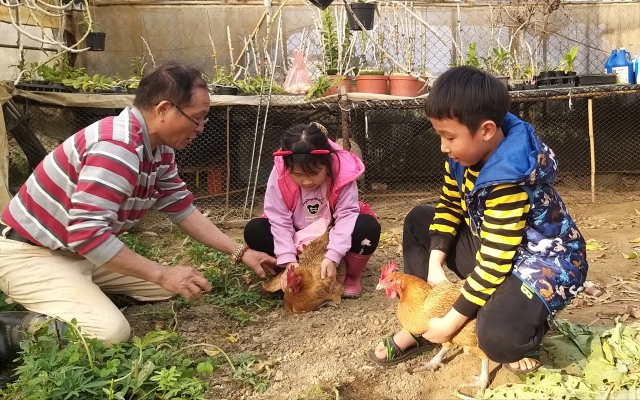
435 362
481 381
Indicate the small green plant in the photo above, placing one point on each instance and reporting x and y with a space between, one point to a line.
567 63
245 373
92 26
336 48
257 85
141 246
471 58
90 84
72 366
497 62
320 86
229 281
59 71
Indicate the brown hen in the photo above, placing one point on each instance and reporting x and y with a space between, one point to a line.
305 290
418 302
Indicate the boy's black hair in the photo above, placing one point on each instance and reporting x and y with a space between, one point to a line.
470 96
301 139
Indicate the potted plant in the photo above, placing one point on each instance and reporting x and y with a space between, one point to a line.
138 66
568 65
402 83
223 83
95 39
370 80
362 10
322 86
337 49
497 63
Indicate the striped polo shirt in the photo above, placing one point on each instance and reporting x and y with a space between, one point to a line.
96 185
501 233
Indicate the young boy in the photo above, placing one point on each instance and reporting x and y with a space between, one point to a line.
499 224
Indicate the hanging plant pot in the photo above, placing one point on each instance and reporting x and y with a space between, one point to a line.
321 4
95 41
365 12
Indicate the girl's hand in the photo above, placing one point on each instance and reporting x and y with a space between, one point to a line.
283 277
329 271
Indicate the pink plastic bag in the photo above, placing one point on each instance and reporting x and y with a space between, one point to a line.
298 80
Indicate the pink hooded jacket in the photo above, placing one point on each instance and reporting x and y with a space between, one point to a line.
347 168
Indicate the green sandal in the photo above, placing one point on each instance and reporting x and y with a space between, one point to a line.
534 355
395 355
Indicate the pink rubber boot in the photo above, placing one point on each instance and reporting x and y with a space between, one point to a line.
356 263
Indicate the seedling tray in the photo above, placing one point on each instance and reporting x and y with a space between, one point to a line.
42 87
594 80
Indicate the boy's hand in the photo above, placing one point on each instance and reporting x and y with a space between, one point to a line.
441 329
329 271
436 271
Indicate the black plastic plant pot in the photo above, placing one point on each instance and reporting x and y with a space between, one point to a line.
321 4
95 41
543 74
227 90
365 12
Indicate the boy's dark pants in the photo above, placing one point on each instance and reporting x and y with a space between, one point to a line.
258 235
510 325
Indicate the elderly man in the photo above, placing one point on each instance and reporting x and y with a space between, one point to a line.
59 248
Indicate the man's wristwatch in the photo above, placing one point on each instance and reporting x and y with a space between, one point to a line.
237 254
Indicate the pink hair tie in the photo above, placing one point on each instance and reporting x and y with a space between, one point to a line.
289 152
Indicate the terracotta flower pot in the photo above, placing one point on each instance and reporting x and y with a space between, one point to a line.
372 84
346 82
406 85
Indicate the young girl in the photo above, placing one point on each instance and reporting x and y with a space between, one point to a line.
312 187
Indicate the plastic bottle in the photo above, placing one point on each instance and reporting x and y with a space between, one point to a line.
607 64
622 66
636 68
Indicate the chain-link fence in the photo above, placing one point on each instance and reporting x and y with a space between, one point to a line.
228 164
423 37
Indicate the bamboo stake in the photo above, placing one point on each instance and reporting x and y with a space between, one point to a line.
253 34
232 66
592 150
226 204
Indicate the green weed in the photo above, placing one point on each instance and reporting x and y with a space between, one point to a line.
245 373
152 367
4 306
229 281
142 246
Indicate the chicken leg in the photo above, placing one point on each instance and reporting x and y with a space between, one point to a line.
436 361
480 381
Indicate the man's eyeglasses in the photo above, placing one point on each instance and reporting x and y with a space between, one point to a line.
195 121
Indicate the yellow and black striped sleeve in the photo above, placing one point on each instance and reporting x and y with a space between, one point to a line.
448 214
501 233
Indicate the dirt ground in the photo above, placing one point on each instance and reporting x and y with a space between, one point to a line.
323 354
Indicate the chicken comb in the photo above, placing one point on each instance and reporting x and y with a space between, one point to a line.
387 269
291 277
